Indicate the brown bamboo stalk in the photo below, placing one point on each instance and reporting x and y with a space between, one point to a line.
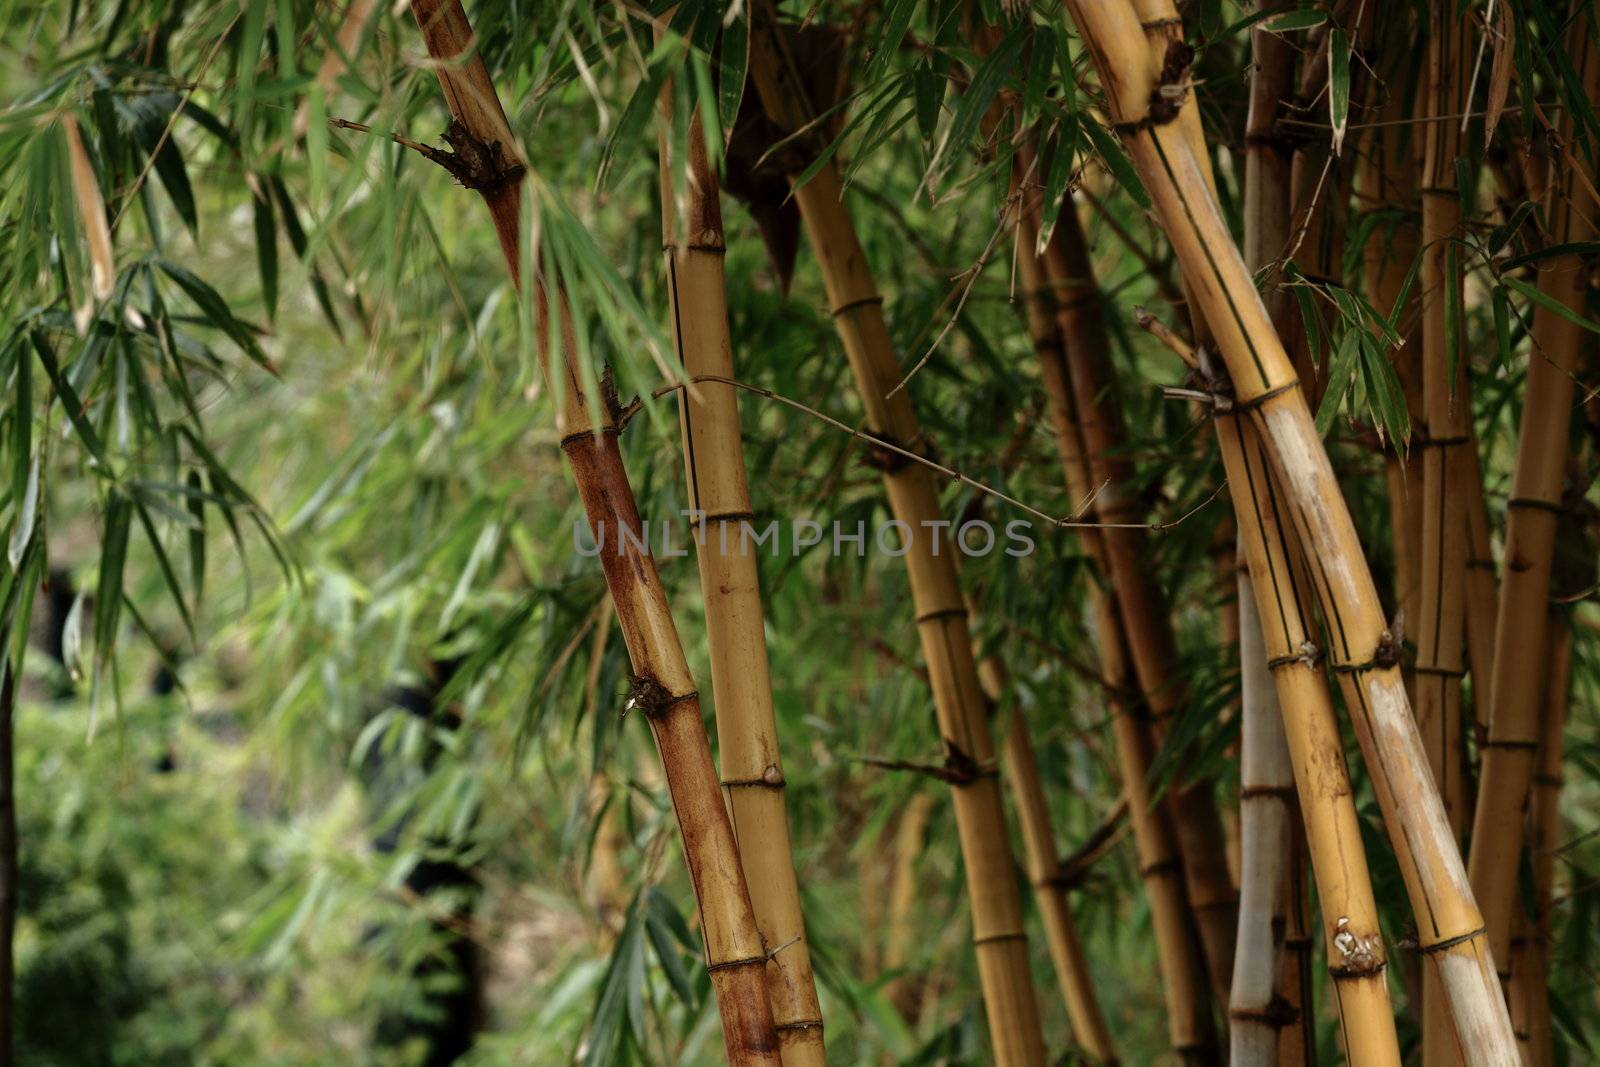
1445 441
1257 1007
1520 641
719 502
663 689
1447 408
1182 968
1152 646
1544 841
998 932
1043 862
1363 650
909 839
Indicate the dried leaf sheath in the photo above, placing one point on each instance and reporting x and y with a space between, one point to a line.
998 932
663 690
1532 519
752 773
1362 650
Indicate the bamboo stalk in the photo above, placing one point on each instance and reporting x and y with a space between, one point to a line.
1184 980
1447 408
1363 651
1445 442
1152 646
903 886
1356 959
998 931
1044 869
1257 1007
1532 518
1272 980
719 501
663 689
1544 841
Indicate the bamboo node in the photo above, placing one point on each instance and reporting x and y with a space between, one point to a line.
1452 942
1359 953
1171 90
1278 1013
650 696
475 163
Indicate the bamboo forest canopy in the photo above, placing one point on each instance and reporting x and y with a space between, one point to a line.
959 374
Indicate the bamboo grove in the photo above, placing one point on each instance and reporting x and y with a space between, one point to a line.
1137 459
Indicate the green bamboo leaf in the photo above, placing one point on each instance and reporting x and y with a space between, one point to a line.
216 311
266 249
108 593
1502 324
733 63
1061 168
1294 20
1568 248
1338 84
1110 150
1550 304
1341 375
998 67
196 500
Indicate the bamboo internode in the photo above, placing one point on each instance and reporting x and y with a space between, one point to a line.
663 689
719 499
1363 651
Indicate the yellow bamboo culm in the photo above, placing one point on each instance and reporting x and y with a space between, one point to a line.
998 932
1183 974
719 502
1364 653
1532 518
663 690
1356 958
1044 870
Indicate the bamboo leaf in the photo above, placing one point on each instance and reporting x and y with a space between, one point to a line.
1341 375
1338 84
217 312
1551 304
1556 251
733 62
1110 150
108 593
266 248
997 68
